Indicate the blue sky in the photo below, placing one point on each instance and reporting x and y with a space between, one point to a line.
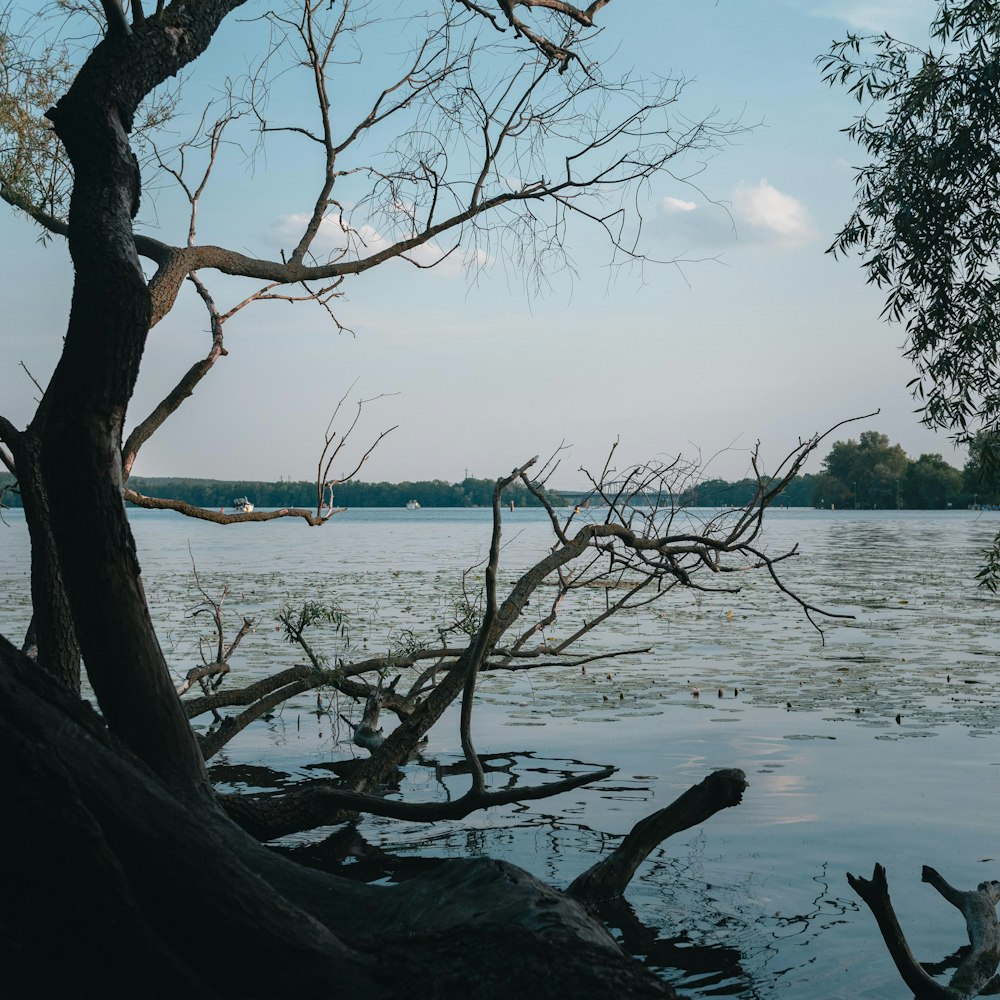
762 336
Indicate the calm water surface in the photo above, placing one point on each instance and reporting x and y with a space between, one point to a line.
755 903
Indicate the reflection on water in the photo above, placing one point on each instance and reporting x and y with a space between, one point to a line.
753 904
881 744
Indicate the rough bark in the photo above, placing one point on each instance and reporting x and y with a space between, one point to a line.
80 418
104 860
57 650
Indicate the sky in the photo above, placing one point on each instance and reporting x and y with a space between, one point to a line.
758 336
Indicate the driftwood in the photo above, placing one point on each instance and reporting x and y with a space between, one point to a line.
975 975
608 878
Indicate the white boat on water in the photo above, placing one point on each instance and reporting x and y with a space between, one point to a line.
412 505
242 505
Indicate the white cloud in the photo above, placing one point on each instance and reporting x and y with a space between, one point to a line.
678 205
764 212
754 213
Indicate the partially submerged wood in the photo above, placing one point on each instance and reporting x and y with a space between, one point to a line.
975 975
270 815
609 877
976 971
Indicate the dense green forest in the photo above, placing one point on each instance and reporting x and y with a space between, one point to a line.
869 473
872 474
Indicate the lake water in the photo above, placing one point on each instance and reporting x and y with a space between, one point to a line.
755 903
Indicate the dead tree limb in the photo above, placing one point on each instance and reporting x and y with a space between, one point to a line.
145 429
216 666
218 517
608 878
484 641
975 973
193 707
266 816
197 674
875 893
977 969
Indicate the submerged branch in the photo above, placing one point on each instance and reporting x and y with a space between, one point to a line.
268 816
608 878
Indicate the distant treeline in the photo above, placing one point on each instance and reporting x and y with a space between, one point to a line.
221 493
719 493
872 474
428 493
215 493
867 473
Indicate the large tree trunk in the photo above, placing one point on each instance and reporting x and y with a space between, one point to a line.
80 419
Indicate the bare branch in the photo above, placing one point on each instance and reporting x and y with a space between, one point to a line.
325 481
219 517
510 661
193 707
184 388
10 435
197 674
34 380
115 15
232 725
484 640
562 53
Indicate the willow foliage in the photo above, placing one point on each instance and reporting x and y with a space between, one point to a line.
927 215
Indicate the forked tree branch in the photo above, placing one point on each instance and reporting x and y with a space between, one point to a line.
976 971
184 388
